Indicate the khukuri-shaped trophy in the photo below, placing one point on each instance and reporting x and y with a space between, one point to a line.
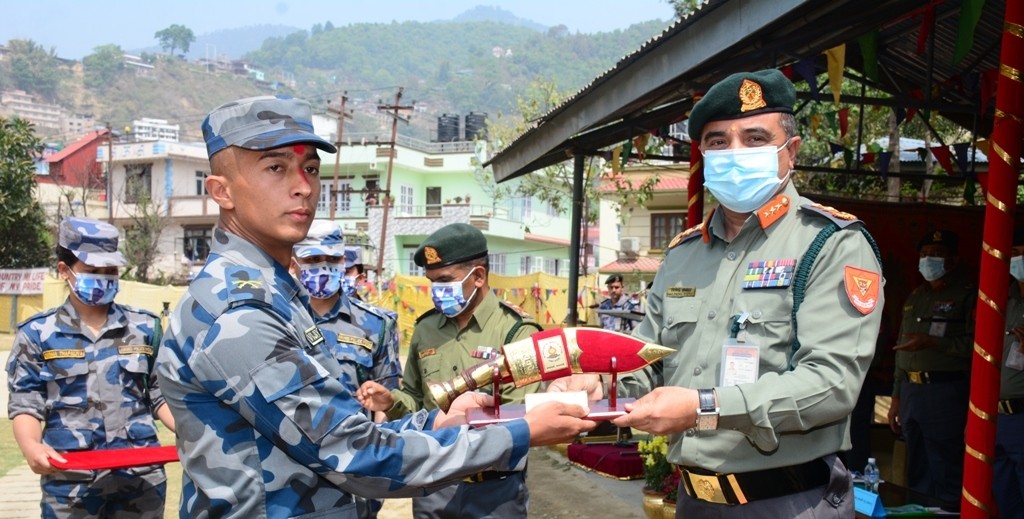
552 354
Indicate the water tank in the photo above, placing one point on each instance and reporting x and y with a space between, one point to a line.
448 128
476 126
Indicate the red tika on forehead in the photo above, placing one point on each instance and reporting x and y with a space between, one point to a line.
299 149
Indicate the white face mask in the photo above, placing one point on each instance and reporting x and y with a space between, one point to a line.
743 179
1017 268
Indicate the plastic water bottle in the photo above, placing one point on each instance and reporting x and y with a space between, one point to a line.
871 475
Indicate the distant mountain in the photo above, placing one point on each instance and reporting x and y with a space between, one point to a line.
232 43
493 13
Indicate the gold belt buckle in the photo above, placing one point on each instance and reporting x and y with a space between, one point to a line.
915 377
707 488
474 478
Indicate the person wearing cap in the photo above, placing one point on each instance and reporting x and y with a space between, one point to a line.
267 422
361 337
467 325
757 399
1008 465
617 301
82 369
931 384
355 272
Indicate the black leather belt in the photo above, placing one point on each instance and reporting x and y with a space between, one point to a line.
488 475
934 377
743 487
1011 406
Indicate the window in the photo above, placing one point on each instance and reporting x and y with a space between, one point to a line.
525 264
196 244
201 183
137 182
664 227
323 206
433 201
344 196
522 208
497 263
414 270
405 198
553 266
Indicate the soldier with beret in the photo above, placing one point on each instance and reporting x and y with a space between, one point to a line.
83 371
774 304
617 301
267 420
467 325
361 337
1008 465
931 384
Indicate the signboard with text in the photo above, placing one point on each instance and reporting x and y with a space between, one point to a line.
22 281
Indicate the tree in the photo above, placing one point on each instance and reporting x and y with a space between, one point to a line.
34 69
683 8
142 236
175 37
22 220
103 66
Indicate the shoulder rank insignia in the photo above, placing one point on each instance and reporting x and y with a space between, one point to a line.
841 218
244 283
770 213
862 288
690 233
515 308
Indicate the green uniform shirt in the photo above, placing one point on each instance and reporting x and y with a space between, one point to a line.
786 416
947 314
1012 380
440 351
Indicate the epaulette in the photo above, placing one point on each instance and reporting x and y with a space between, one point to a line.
138 310
40 315
426 314
686 235
516 310
245 285
840 218
368 308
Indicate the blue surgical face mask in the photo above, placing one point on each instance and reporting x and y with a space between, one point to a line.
322 279
932 267
743 179
448 298
348 285
1017 268
94 289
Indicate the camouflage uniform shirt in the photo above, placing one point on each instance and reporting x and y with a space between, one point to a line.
619 324
267 424
364 340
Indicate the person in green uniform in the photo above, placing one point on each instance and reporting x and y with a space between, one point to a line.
931 385
1008 466
774 304
467 325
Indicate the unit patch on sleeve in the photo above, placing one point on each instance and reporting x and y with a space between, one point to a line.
862 288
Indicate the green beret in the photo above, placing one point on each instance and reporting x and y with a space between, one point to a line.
451 244
741 95
947 238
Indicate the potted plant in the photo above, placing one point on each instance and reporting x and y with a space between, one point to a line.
458 200
671 489
653 452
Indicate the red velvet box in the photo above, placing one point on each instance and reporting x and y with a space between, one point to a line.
608 459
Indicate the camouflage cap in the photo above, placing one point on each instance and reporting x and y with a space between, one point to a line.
353 256
451 244
261 123
91 241
742 95
323 239
940 237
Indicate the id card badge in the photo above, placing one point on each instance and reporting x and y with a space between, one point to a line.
740 363
937 329
1014 358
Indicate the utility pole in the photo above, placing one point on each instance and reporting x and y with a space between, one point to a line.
110 173
392 111
342 115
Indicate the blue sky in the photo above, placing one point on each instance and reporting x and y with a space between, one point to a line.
75 27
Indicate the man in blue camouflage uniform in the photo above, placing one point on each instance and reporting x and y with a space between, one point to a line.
618 301
360 336
267 422
82 369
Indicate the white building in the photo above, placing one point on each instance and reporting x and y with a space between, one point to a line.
147 129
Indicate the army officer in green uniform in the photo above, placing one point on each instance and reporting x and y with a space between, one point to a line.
774 304
467 325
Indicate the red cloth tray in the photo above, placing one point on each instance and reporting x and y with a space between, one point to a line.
618 461
110 459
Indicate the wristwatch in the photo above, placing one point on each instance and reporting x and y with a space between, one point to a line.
707 413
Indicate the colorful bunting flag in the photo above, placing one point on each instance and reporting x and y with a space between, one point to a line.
884 157
926 26
805 68
867 158
869 54
844 121
970 13
836 63
941 153
961 149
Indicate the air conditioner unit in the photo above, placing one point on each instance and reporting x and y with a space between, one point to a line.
630 245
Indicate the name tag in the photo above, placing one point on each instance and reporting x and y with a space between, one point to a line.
428 353
680 292
63 354
135 349
358 341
